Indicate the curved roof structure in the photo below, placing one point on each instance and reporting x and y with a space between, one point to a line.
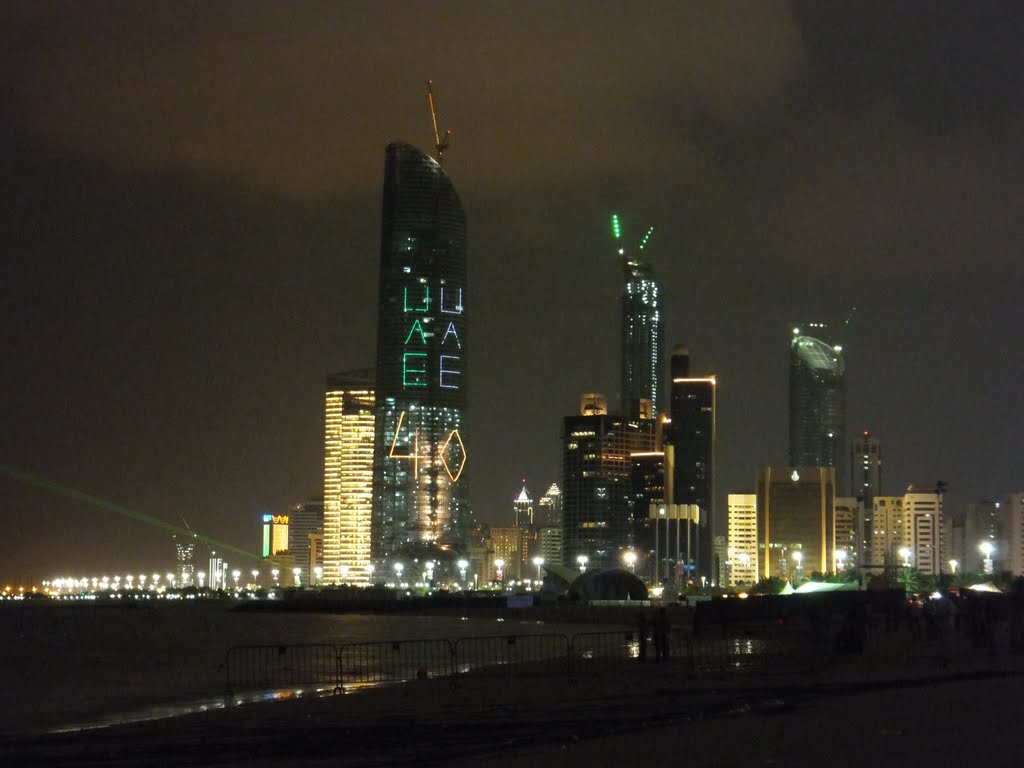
818 355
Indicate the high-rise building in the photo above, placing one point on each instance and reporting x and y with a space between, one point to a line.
647 489
522 508
742 541
641 330
922 516
305 521
550 508
817 397
865 468
887 533
420 485
1011 543
596 483
185 558
505 548
908 531
795 520
691 434
982 525
849 532
275 534
348 478
549 544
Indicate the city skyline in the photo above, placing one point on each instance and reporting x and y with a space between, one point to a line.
191 233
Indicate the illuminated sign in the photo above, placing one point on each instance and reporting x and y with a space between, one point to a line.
423 357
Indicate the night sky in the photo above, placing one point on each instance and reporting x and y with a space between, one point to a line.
190 230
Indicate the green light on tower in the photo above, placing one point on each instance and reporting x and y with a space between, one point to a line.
646 238
616 227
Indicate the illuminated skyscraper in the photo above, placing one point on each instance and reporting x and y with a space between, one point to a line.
795 521
691 435
597 473
348 478
641 331
865 468
817 398
420 488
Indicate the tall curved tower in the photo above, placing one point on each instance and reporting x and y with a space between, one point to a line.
420 486
817 397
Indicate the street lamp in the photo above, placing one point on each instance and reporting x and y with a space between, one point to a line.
296 572
952 566
318 571
463 565
582 560
500 565
987 549
398 571
905 553
841 555
201 576
236 574
255 576
799 557
630 558
538 561
344 573
275 572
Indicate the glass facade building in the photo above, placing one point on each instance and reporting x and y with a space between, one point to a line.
641 341
597 499
420 487
817 398
691 433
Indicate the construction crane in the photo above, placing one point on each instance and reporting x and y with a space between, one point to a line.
439 144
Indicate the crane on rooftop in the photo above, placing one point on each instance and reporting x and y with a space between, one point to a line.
440 144
617 236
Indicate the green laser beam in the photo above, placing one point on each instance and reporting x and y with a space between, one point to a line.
28 478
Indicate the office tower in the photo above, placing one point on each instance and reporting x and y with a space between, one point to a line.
887 533
742 540
908 532
817 398
305 521
641 329
982 531
505 549
185 558
275 534
865 468
522 508
849 532
549 544
596 483
691 435
526 538
795 521
647 492
1011 544
420 485
922 517
550 508
348 478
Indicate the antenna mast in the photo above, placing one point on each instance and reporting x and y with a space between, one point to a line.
439 144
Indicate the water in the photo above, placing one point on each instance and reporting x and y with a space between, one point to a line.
66 664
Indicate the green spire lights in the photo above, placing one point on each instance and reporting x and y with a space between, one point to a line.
646 238
616 227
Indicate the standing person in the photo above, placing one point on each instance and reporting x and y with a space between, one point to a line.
643 630
661 635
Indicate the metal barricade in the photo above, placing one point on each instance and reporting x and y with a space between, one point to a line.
512 656
268 667
395 661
